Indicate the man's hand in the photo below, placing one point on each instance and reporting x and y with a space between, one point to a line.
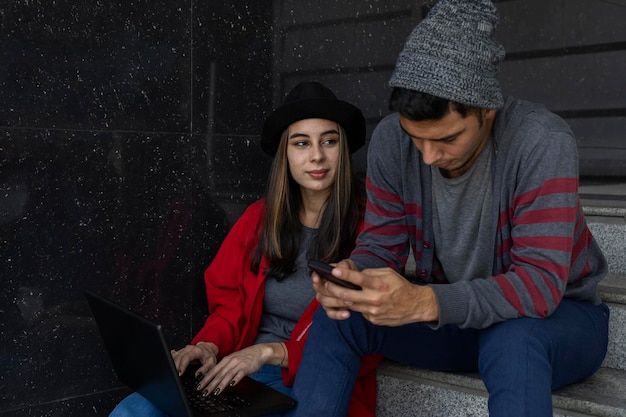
387 298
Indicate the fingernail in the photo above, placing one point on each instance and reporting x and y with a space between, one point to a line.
198 376
198 387
216 392
232 383
205 393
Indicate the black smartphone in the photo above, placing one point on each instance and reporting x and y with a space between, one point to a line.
323 269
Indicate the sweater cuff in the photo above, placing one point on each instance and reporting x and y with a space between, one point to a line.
453 304
363 261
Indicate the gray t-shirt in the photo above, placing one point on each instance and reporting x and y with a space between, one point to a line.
286 301
462 220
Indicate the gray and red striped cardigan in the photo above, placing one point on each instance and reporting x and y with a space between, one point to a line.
543 250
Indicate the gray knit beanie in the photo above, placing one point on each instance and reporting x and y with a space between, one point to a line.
453 54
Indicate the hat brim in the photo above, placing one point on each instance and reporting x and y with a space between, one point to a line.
348 116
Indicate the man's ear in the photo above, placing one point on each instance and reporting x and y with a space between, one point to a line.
489 113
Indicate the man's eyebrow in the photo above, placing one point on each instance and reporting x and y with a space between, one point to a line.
441 139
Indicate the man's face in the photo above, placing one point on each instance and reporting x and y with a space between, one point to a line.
453 142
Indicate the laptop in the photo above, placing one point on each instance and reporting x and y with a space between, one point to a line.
143 361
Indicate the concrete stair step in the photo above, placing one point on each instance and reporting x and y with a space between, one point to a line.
613 288
613 291
608 225
404 391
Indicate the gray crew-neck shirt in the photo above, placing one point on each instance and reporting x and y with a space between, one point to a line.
285 301
462 219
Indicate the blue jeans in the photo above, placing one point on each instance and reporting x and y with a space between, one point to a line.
520 361
137 405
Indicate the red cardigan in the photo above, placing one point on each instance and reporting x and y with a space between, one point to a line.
235 295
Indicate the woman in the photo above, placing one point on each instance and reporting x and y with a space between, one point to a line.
261 301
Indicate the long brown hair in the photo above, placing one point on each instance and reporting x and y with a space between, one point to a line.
280 236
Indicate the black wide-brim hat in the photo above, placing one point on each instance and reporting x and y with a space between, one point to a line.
312 100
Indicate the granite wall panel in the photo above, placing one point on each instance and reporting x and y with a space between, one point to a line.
298 13
536 79
102 187
342 46
106 211
231 45
588 22
593 81
76 65
530 24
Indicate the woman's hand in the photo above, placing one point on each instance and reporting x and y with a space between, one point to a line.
232 368
203 352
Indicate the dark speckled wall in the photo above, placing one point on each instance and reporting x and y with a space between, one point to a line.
129 145
109 112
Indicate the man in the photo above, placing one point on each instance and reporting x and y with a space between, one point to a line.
485 192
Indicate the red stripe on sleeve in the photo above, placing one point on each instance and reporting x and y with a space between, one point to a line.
509 293
560 243
382 194
381 211
553 186
539 303
549 215
562 271
385 230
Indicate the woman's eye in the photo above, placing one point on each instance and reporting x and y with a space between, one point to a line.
330 141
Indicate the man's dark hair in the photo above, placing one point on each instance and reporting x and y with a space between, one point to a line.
418 106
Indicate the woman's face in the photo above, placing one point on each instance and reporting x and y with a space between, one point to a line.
313 153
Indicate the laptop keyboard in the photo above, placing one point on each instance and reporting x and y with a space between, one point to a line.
211 403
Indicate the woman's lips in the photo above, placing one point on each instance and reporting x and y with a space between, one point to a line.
318 173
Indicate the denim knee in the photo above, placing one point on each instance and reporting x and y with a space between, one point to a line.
136 405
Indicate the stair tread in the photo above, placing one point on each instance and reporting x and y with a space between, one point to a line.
604 394
613 288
